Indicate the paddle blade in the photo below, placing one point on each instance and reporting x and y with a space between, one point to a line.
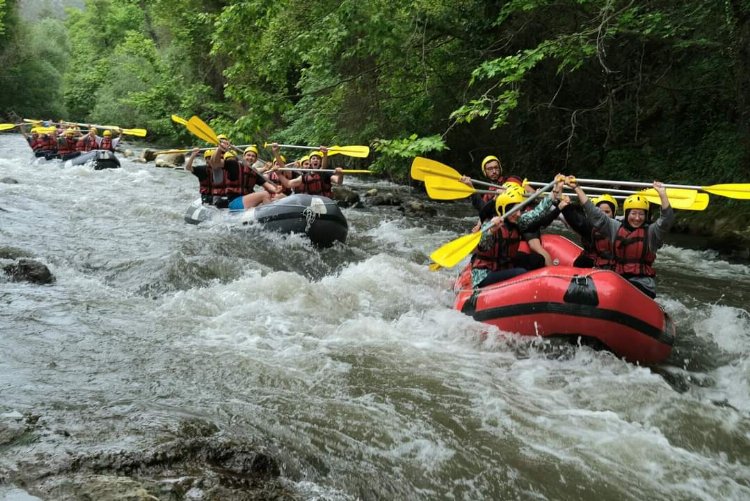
7 126
435 267
420 167
452 253
351 151
681 199
440 188
200 129
738 191
700 203
179 120
356 171
134 132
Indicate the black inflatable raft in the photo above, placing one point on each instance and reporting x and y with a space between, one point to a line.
315 216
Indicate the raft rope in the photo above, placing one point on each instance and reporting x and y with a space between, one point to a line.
310 216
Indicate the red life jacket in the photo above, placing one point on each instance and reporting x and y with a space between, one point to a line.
631 253
499 253
314 184
599 249
486 197
35 143
66 145
274 178
217 180
48 143
234 178
106 144
89 143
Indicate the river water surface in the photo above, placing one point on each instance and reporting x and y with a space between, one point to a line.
348 365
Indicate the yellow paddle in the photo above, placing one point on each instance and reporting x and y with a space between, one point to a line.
452 253
421 167
739 191
348 151
8 126
179 120
440 188
200 129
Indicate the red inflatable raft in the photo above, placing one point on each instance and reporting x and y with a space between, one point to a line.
563 300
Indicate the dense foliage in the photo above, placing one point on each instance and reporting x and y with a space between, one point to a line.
615 88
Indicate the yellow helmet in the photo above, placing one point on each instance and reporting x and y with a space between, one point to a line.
208 153
316 153
606 197
94 130
488 159
107 133
635 201
222 136
511 196
70 132
303 159
230 154
250 148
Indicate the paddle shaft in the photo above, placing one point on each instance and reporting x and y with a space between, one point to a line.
636 184
344 171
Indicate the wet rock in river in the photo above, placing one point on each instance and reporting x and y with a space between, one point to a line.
29 270
8 180
198 463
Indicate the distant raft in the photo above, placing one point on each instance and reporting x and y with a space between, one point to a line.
586 304
317 217
100 159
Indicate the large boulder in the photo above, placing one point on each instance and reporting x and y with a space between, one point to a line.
346 197
170 160
30 271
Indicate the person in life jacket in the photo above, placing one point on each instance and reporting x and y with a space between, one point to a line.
203 173
275 175
534 219
32 138
66 144
493 171
89 141
495 258
598 251
314 183
634 240
108 142
239 179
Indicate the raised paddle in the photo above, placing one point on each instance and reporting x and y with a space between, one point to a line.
452 253
439 188
9 126
679 198
348 151
421 167
344 171
179 120
739 191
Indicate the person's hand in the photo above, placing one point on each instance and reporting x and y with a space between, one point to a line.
659 187
496 221
570 182
466 180
324 150
564 202
338 171
275 148
194 152
279 188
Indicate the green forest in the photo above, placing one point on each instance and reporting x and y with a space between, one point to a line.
619 89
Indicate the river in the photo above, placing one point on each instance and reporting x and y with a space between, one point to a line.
348 365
